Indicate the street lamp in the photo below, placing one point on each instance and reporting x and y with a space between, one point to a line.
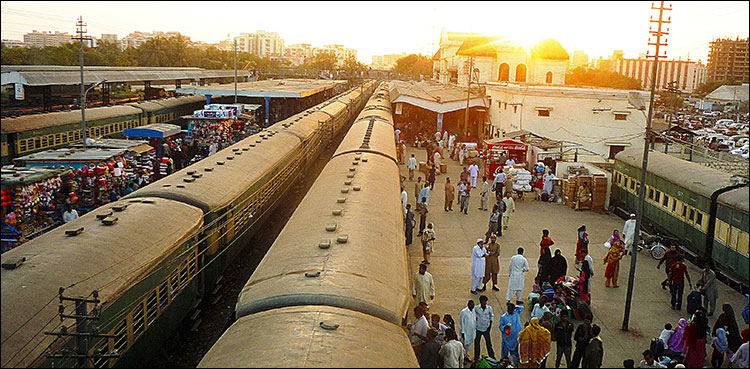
83 110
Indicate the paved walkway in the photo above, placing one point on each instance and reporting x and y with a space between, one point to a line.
457 233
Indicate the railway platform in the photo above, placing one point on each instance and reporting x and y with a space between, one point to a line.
457 233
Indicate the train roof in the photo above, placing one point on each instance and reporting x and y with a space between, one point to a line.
60 118
109 259
292 337
368 228
251 159
692 176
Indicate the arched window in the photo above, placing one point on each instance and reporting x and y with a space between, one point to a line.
521 73
548 79
504 73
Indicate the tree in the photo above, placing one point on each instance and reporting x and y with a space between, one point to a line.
352 66
414 66
324 61
598 78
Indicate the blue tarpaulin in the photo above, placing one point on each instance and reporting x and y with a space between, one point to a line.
157 130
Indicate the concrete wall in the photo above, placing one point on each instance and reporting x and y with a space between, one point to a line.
572 116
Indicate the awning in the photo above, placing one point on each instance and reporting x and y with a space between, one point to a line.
440 107
140 149
617 143
157 130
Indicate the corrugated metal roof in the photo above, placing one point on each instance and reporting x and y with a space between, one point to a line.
48 75
692 176
39 121
294 88
730 93
433 96
71 155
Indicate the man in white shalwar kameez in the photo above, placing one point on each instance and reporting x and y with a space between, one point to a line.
478 255
548 177
436 159
468 325
518 266
628 232
451 141
422 286
403 198
474 172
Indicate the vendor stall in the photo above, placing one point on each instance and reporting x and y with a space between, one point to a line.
30 202
100 174
498 150
220 124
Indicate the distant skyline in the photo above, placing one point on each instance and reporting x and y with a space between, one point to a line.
378 28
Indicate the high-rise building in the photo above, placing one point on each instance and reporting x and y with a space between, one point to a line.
261 43
386 61
13 43
42 39
342 53
579 59
109 37
299 53
688 74
728 59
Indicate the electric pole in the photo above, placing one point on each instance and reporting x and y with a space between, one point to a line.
81 37
235 71
648 136
468 96
673 90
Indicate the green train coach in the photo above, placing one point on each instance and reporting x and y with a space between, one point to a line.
156 254
28 134
678 202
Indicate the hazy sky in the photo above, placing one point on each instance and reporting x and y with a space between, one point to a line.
377 28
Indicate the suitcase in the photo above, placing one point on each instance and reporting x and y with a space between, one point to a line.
694 301
583 309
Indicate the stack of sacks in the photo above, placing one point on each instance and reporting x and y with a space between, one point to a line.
521 179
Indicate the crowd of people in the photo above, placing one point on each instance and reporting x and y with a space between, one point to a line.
557 297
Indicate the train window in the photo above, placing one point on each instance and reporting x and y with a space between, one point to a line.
650 193
44 141
77 135
699 218
684 210
64 138
58 138
100 362
122 336
151 309
734 237
665 202
692 214
743 243
192 265
138 320
183 275
173 284
163 295
22 146
657 196
632 184
722 231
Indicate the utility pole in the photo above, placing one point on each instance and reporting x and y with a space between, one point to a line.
468 96
84 334
642 189
673 90
81 37
235 71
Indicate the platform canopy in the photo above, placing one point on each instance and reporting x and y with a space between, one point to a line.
434 97
290 88
156 130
